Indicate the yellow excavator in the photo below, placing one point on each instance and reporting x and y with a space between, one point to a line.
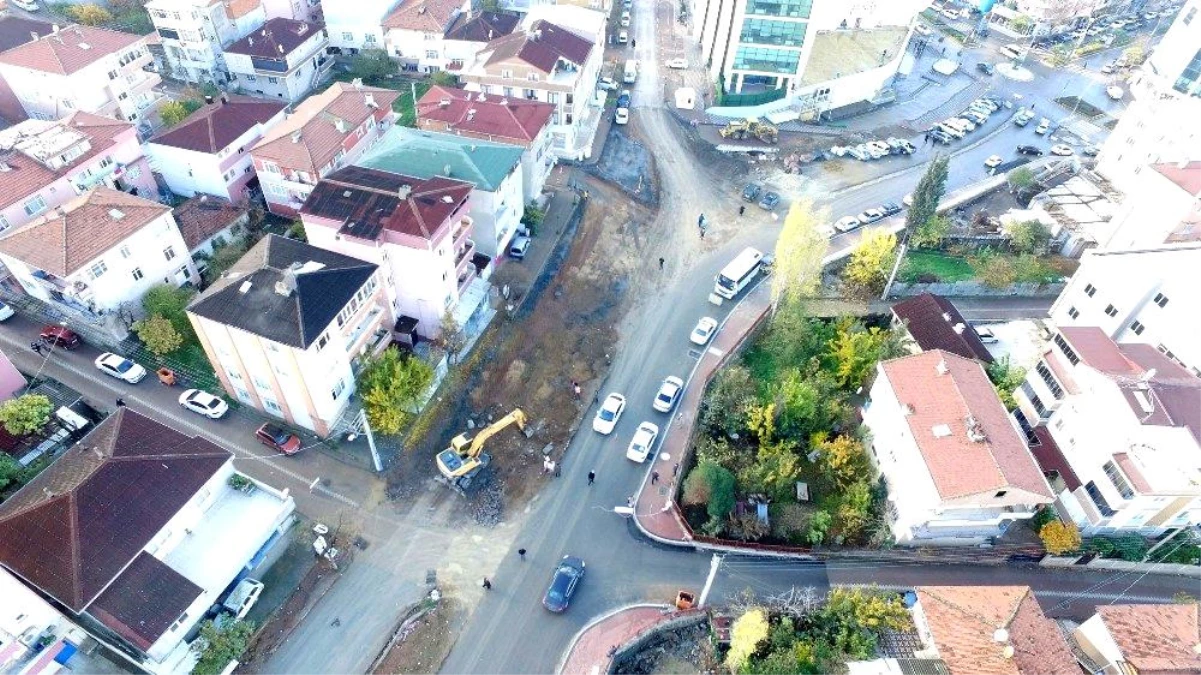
465 457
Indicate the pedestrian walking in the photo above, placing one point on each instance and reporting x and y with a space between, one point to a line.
742 209
591 477
661 261
654 478
575 386
634 44
120 402
487 584
702 233
675 469
36 347
521 553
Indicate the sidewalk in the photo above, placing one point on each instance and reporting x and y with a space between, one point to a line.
656 512
593 647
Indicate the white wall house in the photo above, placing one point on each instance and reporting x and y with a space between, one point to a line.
102 250
356 25
1162 207
284 59
24 618
285 327
209 152
1146 295
1116 426
414 33
955 463
194 34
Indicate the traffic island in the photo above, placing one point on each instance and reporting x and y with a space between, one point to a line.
620 635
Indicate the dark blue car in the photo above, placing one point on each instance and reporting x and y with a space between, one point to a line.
568 575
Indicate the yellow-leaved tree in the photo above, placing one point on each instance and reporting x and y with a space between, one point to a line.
799 253
747 633
1060 537
870 263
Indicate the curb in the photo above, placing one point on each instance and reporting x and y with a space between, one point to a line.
597 620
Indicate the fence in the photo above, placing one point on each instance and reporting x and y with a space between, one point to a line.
977 289
745 100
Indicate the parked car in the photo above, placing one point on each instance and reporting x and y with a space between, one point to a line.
1029 150
608 414
847 223
1023 118
519 246
242 597
623 99
622 116
677 64
1090 151
879 149
1115 92
976 117
607 83
120 367
61 337
986 68
1061 150
964 123
703 332
643 442
669 393
940 136
994 161
770 201
6 312
278 438
203 403
563 584
1044 125
870 216
890 208
623 37
1107 69
907 200
751 192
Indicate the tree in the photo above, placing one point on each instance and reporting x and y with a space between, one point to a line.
10 470
224 258
855 351
1021 179
171 303
159 335
533 216
451 335
26 414
372 65
1061 55
729 397
819 524
443 78
777 463
931 233
995 271
1135 55
870 262
843 461
1006 378
391 385
1021 24
222 645
746 633
1029 236
873 610
90 14
1060 537
854 510
172 113
927 194
800 249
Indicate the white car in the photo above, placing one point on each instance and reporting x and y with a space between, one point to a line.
622 116
623 37
847 223
203 403
1044 125
669 393
995 160
120 367
1061 150
607 84
704 331
1115 92
643 442
677 64
6 312
870 216
610 411
986 335
907 200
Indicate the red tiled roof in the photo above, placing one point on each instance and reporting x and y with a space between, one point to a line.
1188 177
482 26
203 216
74 528
67 238
1156 638
431 16
932 321
964 623
71 49
145 600
958 465
541 47
367 201
27 175
476 114
275 39
213 127
236 9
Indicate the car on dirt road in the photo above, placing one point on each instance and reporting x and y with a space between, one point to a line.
770 201
669 393
120 367
870 216
847 223
563 584
643 442
751 192
1029 150
608 414
203 403
277 438
1061 150
677 64
703 332
994 161
519 246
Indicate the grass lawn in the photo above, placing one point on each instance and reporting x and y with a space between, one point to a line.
928 263
405 106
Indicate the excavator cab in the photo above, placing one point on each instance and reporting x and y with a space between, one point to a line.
465 457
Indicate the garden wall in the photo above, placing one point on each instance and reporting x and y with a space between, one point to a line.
977 289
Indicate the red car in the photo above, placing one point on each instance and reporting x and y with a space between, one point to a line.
278 439
58 336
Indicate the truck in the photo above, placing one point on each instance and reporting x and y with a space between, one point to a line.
631 72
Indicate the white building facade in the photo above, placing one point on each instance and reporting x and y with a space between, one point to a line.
194 34
358 25
283 60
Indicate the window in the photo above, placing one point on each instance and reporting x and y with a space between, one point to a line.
1073 312
169 253
273 80
369 38
431 54
1160 299
1048 379
272 406
532 77
338 389
1111 311
98 270
1137 327
507 74
1188 18
348 36
1118 480
271 167
1066 349
3 223
794 8
1102 505
767 60
1190 77
35 206
137 274
1090 290
768 32
1000 493
1165 351
322 341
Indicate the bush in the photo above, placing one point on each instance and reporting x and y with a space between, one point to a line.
995 271
729 397
1059 537
1029 236
533 216
222 645
25 415
90 14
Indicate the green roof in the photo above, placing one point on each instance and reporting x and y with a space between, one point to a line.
424 154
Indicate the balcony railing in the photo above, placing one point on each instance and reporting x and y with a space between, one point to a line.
461 229
466 276
369 320
465 252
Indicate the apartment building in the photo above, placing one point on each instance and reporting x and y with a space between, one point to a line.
956 466
194 34
80 68
493 169
499 120
209 151
324 132
47 164
1117 426
825 54
549 63
358 25
1146 295
414 31
94 254
284 59
299 10
417 230
287 326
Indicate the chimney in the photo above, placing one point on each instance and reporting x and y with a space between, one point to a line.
357 83
481 98
959 328
251 40
370 100
54 29
280 48
287 283
208 100
4 167
404 191
444 103
489 35
471 114
941 368
340 125
946 317
446 169
296 136
224 99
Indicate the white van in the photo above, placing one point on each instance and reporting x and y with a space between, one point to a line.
1013 51
243 597
625 19
951 130
631 72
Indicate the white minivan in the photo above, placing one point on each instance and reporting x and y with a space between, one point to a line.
1013 51
625 19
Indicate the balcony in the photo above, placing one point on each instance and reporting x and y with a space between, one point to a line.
274 66
370 321
466 277
465 251
461 229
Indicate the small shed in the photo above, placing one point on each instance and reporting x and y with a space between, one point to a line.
686 98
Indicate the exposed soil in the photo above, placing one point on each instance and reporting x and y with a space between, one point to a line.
423 643
672 652
315 584
628 164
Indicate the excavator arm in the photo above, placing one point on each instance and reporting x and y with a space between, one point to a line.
477 444
466 456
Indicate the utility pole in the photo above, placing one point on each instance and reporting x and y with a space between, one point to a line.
365 426
896 266
714 564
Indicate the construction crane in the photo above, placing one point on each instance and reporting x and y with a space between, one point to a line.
466 457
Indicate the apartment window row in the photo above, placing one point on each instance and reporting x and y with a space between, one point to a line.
768 32
1111 311
1035 401
356 302
767 60
1160 299
792 8
1099 500
1090 290
1137 327
1073 313
1118 480
1067 350
1049 379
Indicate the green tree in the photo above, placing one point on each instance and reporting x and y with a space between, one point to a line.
1121 37
159 334
1060 537
855 351
868 269
797 271
1021 24
1006 378
90 14
807 402
874 610
10 470
931 233
1029 236
391 385
1021 179
1061 55
25 414
928 193
729 397
450 335
172 113
1134 55
533 216
372 66
843 461
746 634
854 510
995 271
443 78
222 645
819 525
776 464
225 257
171 303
